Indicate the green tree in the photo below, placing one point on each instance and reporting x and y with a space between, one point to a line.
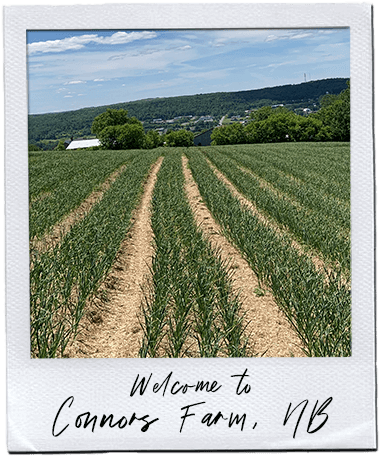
326 100
336 116
112 118
179 138
305 129
60 145
277 127
33 148
153 139
131 136
229 134
261 114
127 136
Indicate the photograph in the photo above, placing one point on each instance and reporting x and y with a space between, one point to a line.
189 227
189 193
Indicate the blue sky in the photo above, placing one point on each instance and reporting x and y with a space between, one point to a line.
69 70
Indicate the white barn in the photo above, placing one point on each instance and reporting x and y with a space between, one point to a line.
83 144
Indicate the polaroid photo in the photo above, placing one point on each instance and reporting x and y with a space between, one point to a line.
190 237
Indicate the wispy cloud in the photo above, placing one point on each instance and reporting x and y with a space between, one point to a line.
276 65
297 34
75 82
174 63
79 42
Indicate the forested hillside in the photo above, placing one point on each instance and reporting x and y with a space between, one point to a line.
78 123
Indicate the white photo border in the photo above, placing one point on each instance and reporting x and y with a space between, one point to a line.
36 389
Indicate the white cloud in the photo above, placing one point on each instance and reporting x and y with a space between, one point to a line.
290 35
75 82
276 65
184 48
79 42
98 80
68 96
298 36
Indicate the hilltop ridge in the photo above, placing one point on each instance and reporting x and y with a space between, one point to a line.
78 123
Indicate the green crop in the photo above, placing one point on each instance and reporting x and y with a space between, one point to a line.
309 217
318 308
64 277
59 181
190 306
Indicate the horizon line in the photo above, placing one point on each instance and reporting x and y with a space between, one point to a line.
176 96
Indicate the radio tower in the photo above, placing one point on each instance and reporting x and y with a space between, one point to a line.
304 75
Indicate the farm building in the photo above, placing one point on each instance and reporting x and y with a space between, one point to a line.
203 139
83 144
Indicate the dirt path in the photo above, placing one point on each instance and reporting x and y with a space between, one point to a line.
58 231
271 333
115 332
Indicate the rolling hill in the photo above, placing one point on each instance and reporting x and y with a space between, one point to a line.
78 123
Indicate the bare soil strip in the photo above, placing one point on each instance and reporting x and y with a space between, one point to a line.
270 332
58 231
111 328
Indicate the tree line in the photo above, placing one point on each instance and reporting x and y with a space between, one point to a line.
115 129
60 125
330 123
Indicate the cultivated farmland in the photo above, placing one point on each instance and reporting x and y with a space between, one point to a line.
242 251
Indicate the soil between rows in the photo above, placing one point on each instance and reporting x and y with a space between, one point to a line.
53 238
270 333
318 262
111 327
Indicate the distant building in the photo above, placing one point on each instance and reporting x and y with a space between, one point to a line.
203 139
83 144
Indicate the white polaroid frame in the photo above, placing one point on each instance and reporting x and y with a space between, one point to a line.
45 397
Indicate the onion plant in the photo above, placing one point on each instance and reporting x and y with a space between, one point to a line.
318 309
311 222
64 277
190 308
59 181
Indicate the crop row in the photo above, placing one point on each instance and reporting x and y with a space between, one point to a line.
318 309
62 278
190 308
305 194
58 182
312 228
323 166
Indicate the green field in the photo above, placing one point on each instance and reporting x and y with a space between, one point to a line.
301 190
